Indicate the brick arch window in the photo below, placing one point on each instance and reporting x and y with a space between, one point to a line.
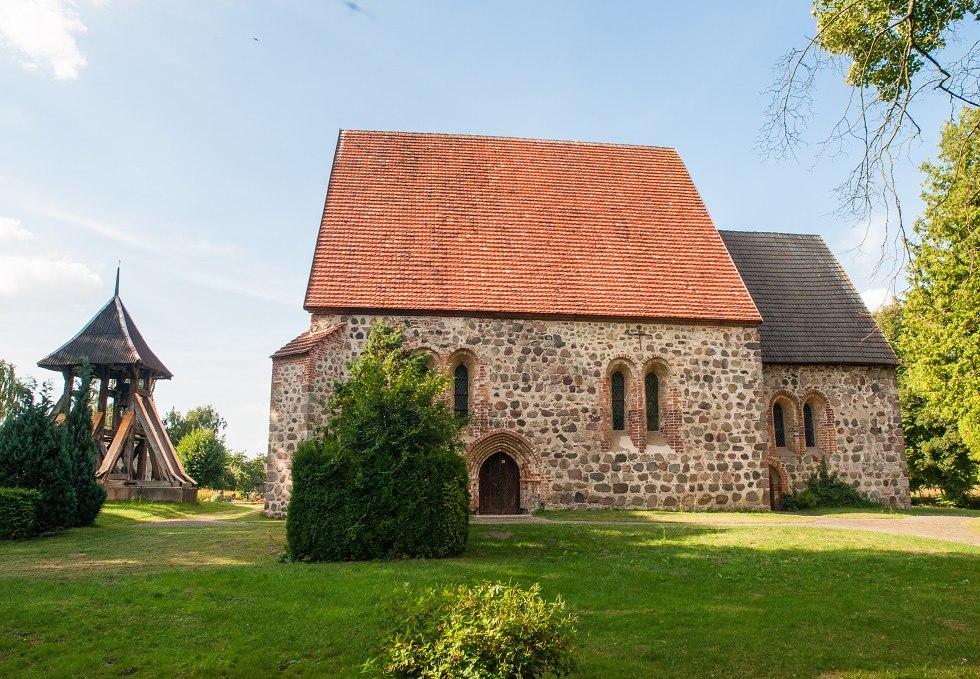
461 390
651 388
809 431
618 393
779 425
817 432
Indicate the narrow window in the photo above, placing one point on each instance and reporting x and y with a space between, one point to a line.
652 384
461 390
778 426
619 401
811 439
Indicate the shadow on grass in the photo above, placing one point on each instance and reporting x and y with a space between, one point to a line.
653 600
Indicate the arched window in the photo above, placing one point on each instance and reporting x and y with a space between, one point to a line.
808 431
778 425
652 388
619 401
461 390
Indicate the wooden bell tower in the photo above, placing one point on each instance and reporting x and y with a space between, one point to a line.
136 457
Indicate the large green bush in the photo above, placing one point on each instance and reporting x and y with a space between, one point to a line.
384 479
18 513
83 451
491 631
825 489
34 454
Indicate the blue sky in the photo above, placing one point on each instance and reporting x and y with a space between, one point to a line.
193 142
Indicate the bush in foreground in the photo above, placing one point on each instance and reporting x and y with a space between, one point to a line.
492 631
18 513
825 489
384 478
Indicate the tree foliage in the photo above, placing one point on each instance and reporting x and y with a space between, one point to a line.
83 451
942 309
202 417
205 458
12 390
384 477
937 457
894 53
246 475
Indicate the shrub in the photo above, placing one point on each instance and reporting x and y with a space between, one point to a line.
347 508
18 513
825 489
205 458
384 478
490 630
82 452
34 454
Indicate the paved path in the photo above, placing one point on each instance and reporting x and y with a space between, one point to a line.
949 528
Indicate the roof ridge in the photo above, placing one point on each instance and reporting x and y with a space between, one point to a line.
121 315
495 137
773 233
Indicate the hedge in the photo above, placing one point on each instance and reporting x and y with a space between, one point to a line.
18 513
346 507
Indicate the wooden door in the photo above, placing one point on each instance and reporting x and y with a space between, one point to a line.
775 489
500 485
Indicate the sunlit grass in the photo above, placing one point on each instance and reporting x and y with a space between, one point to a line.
132 597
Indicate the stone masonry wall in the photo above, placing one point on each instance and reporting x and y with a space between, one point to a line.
539 390
858 427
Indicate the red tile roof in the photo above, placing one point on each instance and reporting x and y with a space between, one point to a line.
465 224
302 344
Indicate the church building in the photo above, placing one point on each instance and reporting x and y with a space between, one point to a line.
608 345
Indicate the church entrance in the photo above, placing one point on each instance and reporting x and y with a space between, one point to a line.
775 489
500 485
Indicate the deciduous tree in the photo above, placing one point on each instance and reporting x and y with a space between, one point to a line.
895 54
942 310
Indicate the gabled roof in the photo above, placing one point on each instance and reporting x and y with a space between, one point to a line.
110 338
491 225
301 345
811 313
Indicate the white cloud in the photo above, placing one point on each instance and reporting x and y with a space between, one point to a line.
877 298
43 32
29 278
12 233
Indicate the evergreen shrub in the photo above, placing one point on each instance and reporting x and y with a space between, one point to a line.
384 478
489 630
18 513
83 451
34 454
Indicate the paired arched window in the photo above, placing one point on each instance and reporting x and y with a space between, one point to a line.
461 390
779 425
618 400
651 385
809 432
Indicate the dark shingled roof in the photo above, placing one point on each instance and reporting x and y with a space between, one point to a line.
811 313
110 338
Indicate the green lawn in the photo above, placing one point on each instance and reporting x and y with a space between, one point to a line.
674 600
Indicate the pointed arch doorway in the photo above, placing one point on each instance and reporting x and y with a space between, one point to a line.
500 485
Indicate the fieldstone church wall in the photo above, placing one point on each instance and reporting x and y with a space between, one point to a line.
858 428
539 390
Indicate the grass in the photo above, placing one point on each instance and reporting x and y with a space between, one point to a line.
681 600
